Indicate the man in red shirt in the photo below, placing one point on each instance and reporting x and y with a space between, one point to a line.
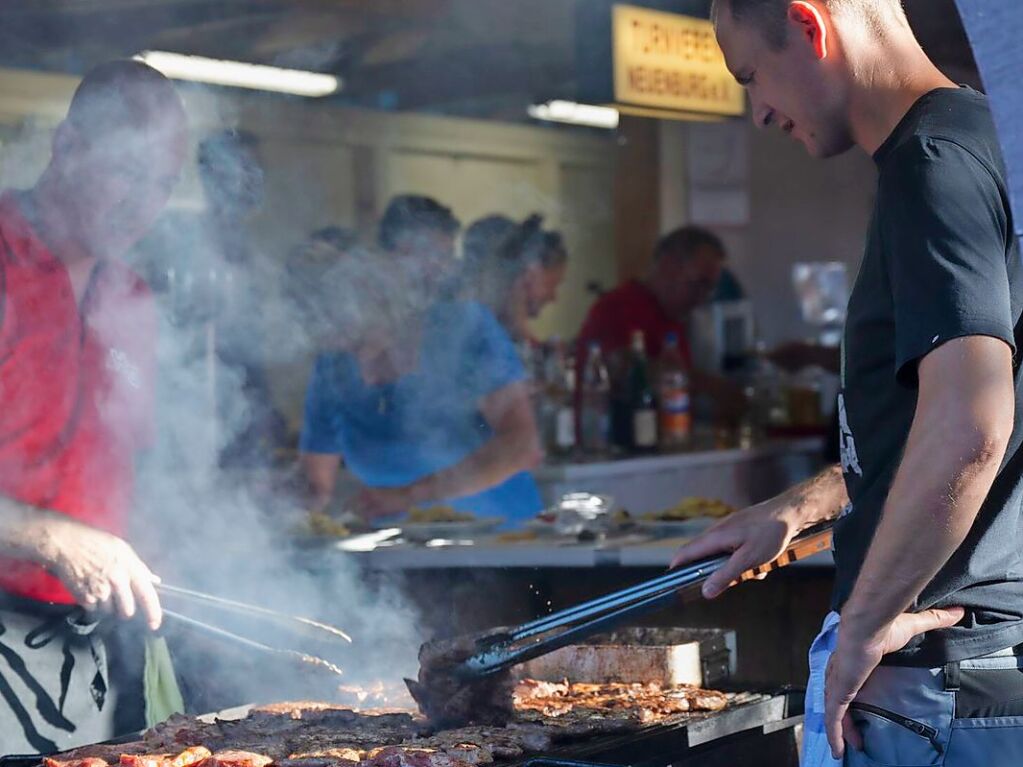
77 332
687 268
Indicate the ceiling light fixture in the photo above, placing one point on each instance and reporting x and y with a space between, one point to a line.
238 74
575 114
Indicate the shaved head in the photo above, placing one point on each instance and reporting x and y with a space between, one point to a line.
121 95
116 157
769 16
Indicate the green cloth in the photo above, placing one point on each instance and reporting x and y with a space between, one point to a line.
160 685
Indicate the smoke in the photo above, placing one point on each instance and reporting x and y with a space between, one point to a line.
222 511
214 509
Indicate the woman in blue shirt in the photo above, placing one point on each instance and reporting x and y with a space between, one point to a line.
425 406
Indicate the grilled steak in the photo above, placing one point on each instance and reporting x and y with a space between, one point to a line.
448 700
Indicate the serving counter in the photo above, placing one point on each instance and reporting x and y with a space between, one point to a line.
635 551
461 586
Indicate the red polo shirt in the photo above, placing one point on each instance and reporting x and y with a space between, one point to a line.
630 307
76 382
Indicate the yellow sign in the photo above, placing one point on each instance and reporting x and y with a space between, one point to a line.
666 61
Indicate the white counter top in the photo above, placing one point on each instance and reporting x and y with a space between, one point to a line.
625 552
634 466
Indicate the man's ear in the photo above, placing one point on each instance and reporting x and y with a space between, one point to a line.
808 18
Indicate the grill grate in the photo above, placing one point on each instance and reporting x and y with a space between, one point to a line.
668 742
653 745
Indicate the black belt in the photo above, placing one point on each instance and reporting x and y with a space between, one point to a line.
986 692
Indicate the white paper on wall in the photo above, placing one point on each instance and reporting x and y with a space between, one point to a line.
718 169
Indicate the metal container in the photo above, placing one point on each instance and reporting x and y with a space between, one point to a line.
667 656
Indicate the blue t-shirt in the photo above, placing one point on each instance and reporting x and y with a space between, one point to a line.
394 434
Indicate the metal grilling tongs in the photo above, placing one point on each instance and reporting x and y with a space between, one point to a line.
501 651
301 627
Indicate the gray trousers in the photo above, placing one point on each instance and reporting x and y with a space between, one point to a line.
964 714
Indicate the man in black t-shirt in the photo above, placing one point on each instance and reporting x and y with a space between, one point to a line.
919 654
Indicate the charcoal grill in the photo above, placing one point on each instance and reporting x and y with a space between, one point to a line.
755 729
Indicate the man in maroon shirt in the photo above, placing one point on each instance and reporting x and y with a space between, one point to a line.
686 269
77 332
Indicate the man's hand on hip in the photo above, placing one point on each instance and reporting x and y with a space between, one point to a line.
855 659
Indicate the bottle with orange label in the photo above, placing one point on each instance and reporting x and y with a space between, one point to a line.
675 417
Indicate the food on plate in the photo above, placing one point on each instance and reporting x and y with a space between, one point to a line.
691 508
622 518
323 525
449 700
517 536
431 514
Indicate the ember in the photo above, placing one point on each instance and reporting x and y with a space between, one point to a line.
376 697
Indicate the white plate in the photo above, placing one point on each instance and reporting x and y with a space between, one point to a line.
427 531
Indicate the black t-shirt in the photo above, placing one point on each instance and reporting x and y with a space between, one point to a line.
941 263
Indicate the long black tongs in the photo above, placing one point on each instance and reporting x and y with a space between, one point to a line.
499 651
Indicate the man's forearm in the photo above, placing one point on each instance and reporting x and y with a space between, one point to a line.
320 472
818 499
23 529
501 457
935 498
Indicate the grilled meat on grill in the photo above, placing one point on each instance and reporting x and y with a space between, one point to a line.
448 700
649 702
324 735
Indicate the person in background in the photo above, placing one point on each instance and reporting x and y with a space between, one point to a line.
232 175
514 270
728 288
77 338
424 400
919 661
419 234
686 270
211 279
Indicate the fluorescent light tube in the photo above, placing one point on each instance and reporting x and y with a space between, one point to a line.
575 114
238 74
